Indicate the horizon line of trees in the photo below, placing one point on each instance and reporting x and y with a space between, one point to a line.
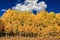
26 24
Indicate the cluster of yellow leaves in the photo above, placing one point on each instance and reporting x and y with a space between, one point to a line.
1 25
43 23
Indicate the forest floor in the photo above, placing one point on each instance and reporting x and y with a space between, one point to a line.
26 38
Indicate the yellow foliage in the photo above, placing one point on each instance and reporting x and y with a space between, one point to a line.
43 22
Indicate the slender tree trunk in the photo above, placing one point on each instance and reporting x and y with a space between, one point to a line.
6 34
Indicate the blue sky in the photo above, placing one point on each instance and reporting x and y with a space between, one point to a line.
52 5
